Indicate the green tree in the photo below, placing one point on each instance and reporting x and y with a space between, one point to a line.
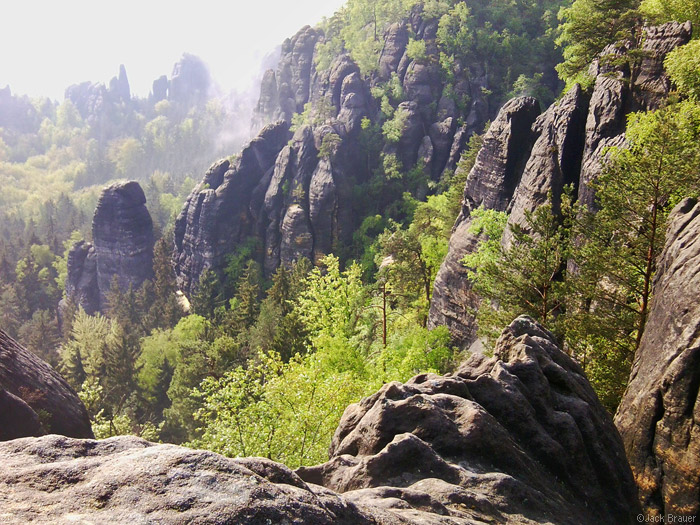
588 26
523 276
661 11
683 66
639 187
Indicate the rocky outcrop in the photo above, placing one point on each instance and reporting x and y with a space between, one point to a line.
516 438
122 233
218 215
491 183
659 417
555 159
128 480
619 90
34 399
122 248
571 138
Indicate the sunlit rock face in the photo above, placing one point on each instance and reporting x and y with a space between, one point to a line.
659 416
518 438
491 183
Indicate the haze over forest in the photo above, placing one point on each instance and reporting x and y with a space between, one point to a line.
47 46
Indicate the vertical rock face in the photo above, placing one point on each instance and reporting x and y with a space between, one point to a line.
517 438
218 214
81 283
619 91
190 81
555 160
122 233
34 399
659 417
491 184
122 248
569 143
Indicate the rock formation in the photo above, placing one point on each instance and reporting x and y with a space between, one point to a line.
516 438
34 399
307 206
491 183
190 81
122 248
658 417
569 141
128 480
218 215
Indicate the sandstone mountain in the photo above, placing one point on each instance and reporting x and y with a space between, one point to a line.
526 156
300 193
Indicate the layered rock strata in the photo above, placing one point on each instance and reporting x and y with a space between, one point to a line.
570 139
491 183
518 438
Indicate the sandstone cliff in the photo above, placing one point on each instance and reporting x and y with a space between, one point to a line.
569 140
306 206
658 417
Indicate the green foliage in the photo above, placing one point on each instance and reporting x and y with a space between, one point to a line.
285 412
393 129
314 114
590 25
661 11
329 145
359 27
415 50
683 67
525 275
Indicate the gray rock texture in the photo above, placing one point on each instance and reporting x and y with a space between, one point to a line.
81 282
516 438
555 159
659 415
618 91
122 248
218 214
491 183
127 480
34 399
122 233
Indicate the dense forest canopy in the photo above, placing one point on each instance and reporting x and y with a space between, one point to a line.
258 358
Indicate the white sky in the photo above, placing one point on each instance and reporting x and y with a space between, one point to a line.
47 45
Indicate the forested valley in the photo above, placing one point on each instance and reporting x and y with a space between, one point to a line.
271 342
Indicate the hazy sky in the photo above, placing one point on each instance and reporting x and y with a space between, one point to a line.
48 45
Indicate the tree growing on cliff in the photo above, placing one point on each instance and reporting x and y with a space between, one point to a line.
590 25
